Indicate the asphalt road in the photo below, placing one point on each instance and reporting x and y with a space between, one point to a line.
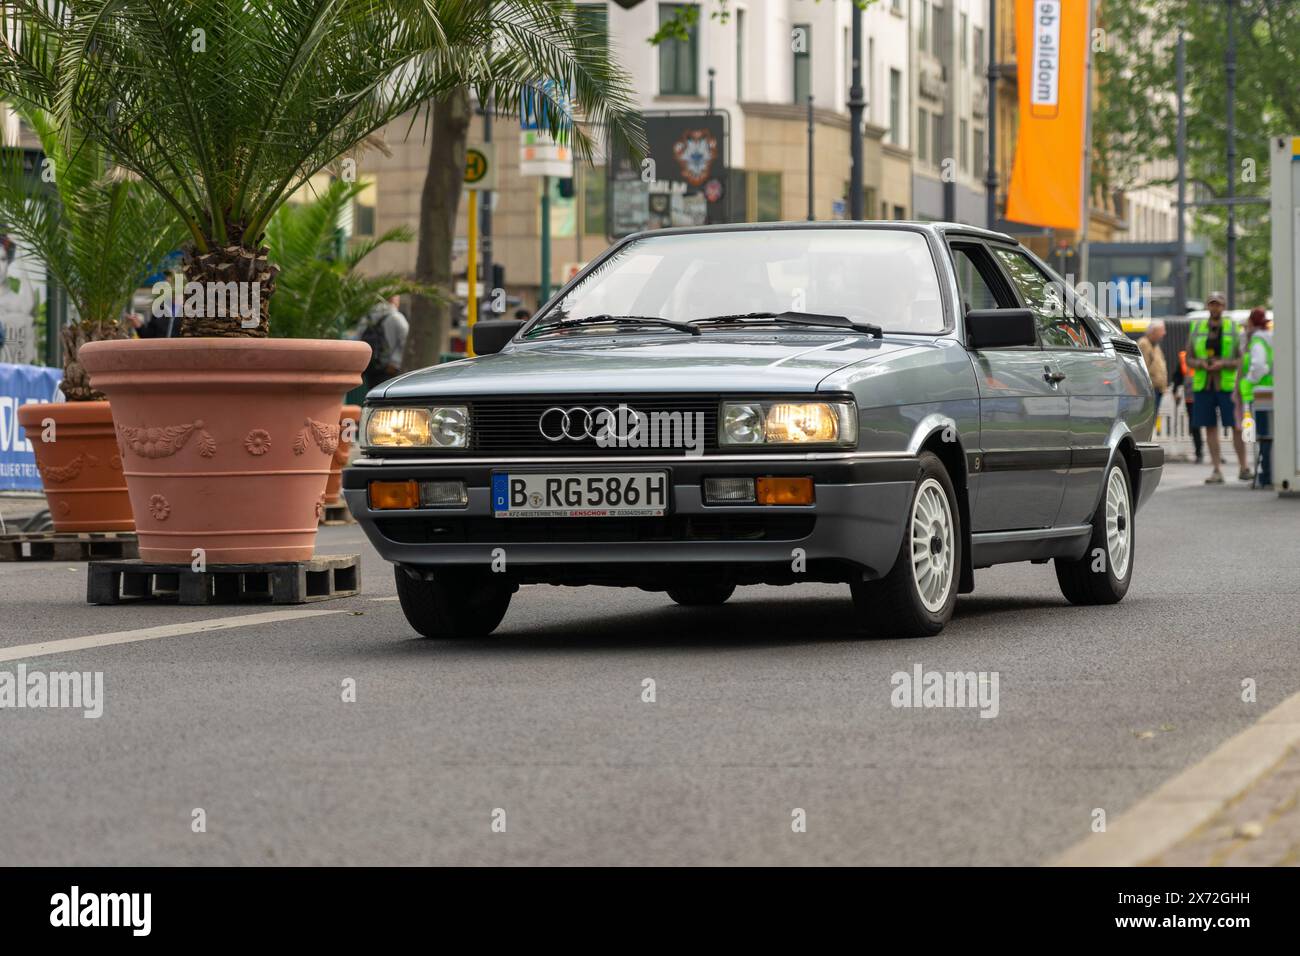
765 705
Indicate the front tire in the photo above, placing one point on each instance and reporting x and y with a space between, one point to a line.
916 598
703 594
1103 574
458 602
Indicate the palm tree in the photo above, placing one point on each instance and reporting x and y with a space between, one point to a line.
320 291
226 107
99 234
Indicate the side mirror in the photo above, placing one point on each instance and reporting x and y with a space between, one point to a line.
491 335
1000 328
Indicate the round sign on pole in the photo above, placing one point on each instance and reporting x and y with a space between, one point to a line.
480 172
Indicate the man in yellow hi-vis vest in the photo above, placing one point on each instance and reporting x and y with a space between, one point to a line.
1255 385
1215 357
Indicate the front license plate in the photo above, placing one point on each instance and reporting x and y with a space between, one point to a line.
626 494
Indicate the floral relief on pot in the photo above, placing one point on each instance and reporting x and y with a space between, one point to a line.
165 441
325 436
257 442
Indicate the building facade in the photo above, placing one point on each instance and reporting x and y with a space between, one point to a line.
755 62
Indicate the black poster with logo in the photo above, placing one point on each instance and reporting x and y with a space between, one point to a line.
682 181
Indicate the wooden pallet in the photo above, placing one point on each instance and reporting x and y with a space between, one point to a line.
337 514
68 545
296 582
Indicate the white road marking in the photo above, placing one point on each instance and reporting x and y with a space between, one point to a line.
392 597
153 633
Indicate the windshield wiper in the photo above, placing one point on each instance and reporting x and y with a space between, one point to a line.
642 320
817 319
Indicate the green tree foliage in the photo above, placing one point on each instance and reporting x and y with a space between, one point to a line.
1134 119
98 232
320 291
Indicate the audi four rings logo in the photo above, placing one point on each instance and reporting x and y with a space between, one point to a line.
624 427
580 424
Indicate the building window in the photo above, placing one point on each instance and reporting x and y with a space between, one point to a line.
978 42
801 42
678 59
593 200
900 212
871 76
979 154
740 54
922 135
592 19
936 138
895 107
936 21
963 147
965 35
363 210
923 27
767 197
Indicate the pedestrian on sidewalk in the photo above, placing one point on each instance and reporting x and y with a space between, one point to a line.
1183 389
1215 360
1154 356
1255 386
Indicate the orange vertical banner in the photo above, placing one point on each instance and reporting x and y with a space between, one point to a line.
1052 54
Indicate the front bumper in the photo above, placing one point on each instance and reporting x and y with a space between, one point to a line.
1152 459
854 526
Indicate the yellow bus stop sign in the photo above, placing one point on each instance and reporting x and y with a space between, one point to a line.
480 169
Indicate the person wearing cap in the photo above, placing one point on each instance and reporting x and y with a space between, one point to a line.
1214 360
1255 385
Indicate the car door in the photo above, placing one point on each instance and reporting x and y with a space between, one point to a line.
1023 459
1090 378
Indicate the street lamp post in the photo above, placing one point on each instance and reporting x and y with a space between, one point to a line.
811 208
991 172
856 102
1230 74
1180 252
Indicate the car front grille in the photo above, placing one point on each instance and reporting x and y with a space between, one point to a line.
511 425
446 529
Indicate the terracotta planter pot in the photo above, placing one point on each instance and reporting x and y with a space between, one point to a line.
227 443
81 469
334 487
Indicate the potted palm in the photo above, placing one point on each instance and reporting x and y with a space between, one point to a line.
225 109
99 235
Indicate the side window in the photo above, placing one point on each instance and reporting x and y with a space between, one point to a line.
976 278
1058 328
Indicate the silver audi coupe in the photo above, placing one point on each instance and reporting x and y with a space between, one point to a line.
891 406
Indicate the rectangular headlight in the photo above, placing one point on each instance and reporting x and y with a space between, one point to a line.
441 426
789 423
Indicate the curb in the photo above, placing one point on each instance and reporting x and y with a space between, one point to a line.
1186 802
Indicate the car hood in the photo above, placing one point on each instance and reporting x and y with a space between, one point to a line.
712 363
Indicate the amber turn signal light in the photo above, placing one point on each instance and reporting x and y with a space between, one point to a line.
390 495
784 491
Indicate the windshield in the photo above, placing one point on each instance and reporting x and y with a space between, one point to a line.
883 276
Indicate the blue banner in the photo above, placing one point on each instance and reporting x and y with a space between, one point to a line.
21 385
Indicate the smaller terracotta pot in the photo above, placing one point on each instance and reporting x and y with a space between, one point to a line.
81 469
349 422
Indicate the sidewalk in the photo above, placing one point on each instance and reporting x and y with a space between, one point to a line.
1260 827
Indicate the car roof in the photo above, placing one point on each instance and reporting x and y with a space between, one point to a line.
941 229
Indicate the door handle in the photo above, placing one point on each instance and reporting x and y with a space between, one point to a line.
1053 378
